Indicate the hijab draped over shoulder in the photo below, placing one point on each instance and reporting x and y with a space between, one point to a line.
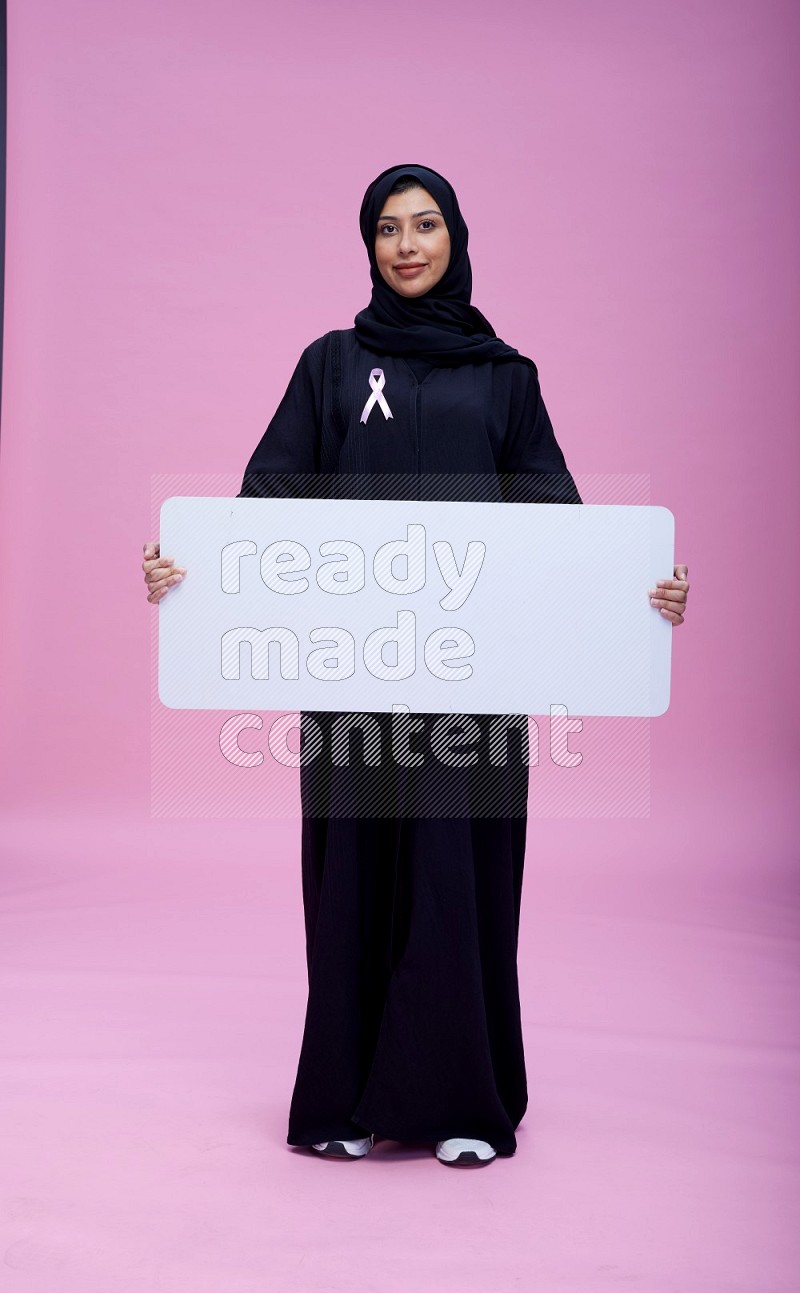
441 326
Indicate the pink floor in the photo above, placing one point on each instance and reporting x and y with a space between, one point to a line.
154 985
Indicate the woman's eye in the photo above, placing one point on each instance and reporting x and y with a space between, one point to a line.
391 228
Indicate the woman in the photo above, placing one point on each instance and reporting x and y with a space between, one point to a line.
412 875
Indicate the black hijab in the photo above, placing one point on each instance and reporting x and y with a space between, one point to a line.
441 326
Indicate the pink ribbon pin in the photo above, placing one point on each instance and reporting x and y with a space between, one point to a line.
377 382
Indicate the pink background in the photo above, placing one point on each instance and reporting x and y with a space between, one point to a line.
183 189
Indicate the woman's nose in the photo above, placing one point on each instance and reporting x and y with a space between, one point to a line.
407 242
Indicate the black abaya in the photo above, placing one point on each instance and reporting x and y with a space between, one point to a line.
411 881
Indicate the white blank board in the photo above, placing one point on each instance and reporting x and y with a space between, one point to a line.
483 608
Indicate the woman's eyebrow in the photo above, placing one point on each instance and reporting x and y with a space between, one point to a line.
415 216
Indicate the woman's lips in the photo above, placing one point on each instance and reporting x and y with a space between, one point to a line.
409 271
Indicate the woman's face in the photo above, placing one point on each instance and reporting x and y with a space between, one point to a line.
412 245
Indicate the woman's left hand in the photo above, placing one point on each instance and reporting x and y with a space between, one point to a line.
669 596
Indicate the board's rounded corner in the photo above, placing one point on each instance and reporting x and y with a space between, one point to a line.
165 700
657 713
660 507
168 504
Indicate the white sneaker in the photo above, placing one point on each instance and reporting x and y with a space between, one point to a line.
464 1153
345 1148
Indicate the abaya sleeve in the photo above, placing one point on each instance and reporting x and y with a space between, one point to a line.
532 467
285 462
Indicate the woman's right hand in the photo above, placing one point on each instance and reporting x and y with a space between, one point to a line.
160 573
